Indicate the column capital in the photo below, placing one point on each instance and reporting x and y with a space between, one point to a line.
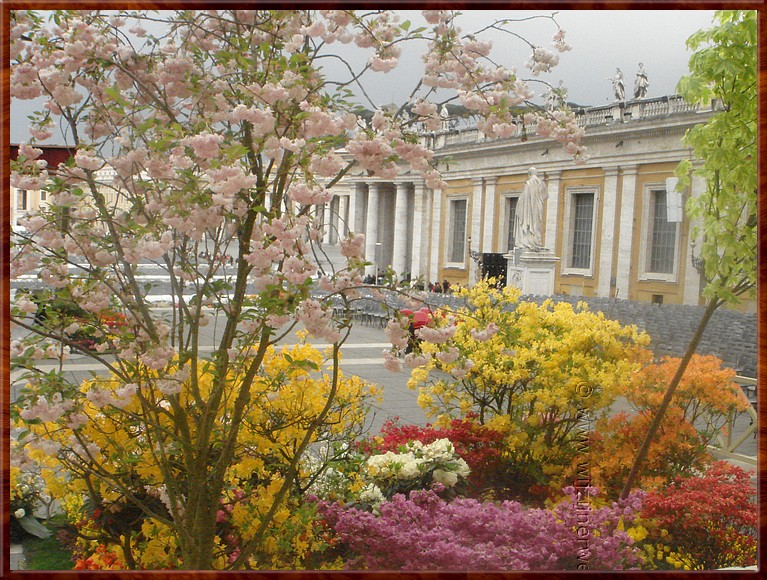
553 175
613 171
629 169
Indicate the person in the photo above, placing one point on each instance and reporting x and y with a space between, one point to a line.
641 83
529 215
618 87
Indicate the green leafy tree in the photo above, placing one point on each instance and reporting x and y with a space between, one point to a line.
723 69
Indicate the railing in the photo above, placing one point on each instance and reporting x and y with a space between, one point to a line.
617 112
725 447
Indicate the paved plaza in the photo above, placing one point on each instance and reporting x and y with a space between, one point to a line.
361 356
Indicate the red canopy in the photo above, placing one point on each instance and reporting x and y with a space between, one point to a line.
421 317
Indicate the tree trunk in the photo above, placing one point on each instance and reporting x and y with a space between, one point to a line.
652 431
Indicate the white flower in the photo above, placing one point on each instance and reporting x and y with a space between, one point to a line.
438 448
371 493
463 468
446 478
409 470
19 513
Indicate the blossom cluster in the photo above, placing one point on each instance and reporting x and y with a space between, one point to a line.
415 466
708 521
424 532
479 445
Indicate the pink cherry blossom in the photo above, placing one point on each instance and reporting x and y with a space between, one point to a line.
397 332
353 246
204 145
391 362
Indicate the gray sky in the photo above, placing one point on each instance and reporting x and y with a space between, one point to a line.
601 40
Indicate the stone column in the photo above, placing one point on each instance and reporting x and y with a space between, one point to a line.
692 278
488 225
343 217
553 180
357 209
436 235
326 219
626 232
371 233
419 258
475 225
399 253
607 246
335 221
14 206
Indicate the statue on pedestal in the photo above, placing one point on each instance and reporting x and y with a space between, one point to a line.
529 215
641 83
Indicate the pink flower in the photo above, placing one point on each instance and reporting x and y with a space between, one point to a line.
328 165
29 152
353 246
435 16
448 356
204 145
87 160
415 360
262 120
483 335
384 65
391 362
436 335
306 195
397 333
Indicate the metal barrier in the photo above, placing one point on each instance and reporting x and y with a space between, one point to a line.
726 448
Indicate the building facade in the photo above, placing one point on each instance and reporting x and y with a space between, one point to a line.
615 223
25 202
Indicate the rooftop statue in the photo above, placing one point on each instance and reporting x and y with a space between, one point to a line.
641 83
619 88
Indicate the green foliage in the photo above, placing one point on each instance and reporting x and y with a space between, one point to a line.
47 553
724 70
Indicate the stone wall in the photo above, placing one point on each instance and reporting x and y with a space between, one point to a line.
730 335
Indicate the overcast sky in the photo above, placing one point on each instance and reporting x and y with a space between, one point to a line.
601 42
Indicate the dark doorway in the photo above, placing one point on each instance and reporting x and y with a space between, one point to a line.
494 266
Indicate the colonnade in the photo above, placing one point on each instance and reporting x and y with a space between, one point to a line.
390 214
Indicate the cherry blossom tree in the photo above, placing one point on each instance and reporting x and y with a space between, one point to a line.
200 135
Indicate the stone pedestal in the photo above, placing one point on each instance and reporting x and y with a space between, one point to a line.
531 271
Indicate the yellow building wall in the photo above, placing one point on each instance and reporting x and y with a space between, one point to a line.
504 185
462 188
645 290
579 285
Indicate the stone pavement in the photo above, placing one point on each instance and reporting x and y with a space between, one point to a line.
16 557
